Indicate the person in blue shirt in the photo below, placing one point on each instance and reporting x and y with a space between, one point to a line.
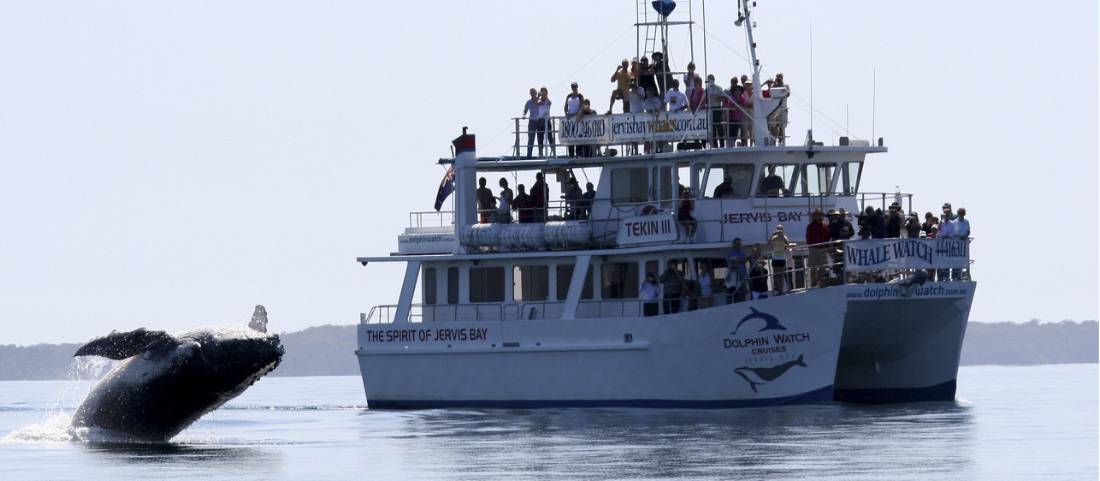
738 272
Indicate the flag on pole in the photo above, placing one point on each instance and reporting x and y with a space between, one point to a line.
446 186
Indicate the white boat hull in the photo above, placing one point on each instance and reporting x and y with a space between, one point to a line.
726 356
902 345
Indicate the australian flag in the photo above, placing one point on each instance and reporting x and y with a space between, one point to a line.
446 186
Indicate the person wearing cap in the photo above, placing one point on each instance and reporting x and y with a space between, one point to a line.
574 103
817 238
745 101
779 242
894 221
947 222
621 79
660 69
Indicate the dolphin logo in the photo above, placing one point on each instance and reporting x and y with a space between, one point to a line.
770 322
762 375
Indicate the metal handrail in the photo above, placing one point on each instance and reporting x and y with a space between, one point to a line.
528 310
552 131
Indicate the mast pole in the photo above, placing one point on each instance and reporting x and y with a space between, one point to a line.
759 120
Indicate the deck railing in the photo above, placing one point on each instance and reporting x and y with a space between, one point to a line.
811 267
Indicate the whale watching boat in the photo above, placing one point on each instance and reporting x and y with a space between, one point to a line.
559 304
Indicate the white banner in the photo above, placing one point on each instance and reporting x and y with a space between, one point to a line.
622 128
648 228
873 254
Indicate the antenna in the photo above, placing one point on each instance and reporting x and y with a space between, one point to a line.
811 80
874 86
847 129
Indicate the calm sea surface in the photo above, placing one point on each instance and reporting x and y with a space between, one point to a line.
1009 423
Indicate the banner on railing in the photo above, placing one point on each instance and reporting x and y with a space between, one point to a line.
944 253
623 128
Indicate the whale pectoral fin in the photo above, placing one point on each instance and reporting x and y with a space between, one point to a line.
121 345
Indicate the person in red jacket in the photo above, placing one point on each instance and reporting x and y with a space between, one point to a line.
817 238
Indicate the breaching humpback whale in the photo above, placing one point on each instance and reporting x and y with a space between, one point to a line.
168 381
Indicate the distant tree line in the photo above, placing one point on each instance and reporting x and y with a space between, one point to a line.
330 350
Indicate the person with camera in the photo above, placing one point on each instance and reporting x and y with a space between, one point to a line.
621 79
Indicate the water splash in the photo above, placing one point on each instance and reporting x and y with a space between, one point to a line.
56 428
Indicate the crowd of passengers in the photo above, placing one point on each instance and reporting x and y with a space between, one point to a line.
645 87
748 272
531 207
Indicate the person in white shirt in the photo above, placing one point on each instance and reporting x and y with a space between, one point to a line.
574 103
653 102
542 120
649 292
675 99
504 207
947 222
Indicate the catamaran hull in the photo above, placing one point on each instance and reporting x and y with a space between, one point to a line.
902 344
767 352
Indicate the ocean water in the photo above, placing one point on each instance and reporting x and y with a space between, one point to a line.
1036 422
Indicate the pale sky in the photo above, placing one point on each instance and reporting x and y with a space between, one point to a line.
167 164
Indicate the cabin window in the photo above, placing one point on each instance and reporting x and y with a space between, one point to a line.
565 275
486 284
619 280
653 267
716 267
850 178
531 283
739 185
629 186
776 179
664 193
452 285
814 179
430 286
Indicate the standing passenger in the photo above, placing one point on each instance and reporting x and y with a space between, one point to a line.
587 199
675 99
706 285
486 203
543 123
817 238
737 274
530 108
522 205
672 284
504 210
621 79
538 198
691 80
649 292
660 69
779 242
574 103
